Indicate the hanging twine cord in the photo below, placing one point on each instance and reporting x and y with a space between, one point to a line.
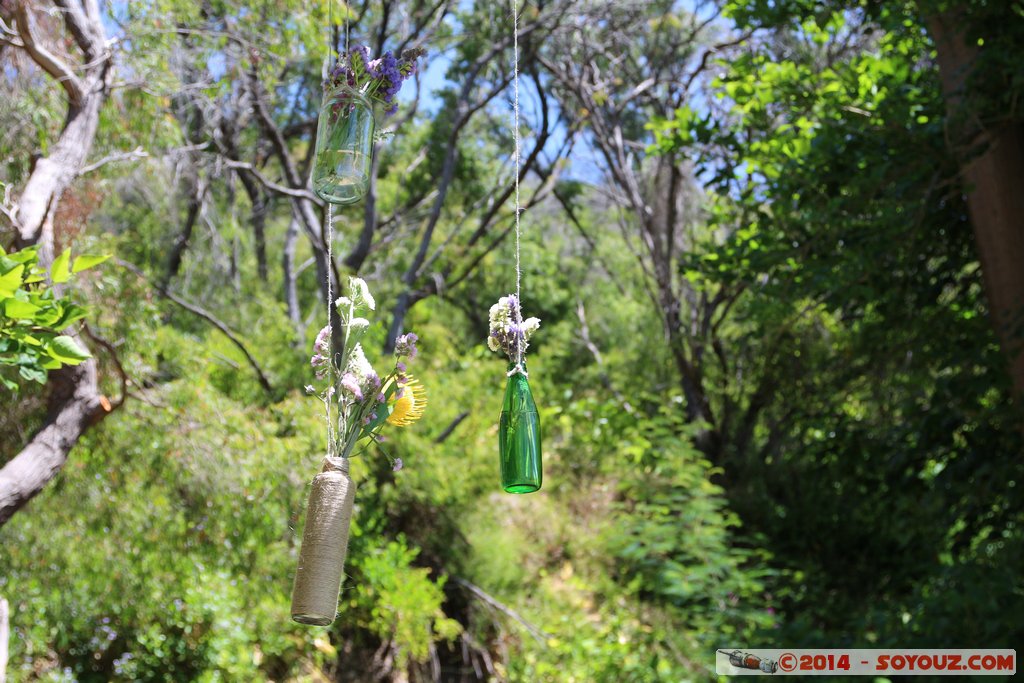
330 329
346 27
330 253
520 336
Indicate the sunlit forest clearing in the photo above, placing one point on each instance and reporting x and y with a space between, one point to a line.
575 339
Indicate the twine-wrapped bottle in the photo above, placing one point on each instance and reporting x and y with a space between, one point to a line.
324 545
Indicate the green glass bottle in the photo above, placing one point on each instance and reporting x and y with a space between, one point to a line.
519 434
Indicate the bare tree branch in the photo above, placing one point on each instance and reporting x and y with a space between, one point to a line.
133 155
300 193
46 60
540 636
164 291
447 431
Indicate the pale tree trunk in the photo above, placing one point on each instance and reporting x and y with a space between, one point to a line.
75 400
992 165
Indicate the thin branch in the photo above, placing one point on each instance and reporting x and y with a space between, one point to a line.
208 317
133 155
711 51
270 184
538 635
46 60
122 374
451 427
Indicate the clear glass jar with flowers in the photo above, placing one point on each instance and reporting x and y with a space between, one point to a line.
357 92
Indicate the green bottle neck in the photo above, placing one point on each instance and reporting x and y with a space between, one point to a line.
518 397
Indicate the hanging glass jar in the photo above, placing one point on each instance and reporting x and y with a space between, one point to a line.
344 146
519 434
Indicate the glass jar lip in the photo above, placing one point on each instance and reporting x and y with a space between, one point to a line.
354 93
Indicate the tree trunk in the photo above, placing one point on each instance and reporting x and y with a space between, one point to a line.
177 254
44 456
992 164
75 401
291 292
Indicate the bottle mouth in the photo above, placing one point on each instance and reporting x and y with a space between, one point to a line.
521 488
312 619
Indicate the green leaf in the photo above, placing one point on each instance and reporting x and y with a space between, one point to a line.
7 264
67 350
11 282
72 313
26 337
33 374
13 308
49 316
86 261
26 255
59 271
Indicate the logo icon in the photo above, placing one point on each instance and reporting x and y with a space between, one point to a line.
745 660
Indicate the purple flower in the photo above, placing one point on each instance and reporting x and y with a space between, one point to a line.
360 55
381 397
350 384
319 364
398 465
323 341
391 78
378 79
405 345
400 366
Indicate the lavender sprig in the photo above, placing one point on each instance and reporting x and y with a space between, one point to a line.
379 80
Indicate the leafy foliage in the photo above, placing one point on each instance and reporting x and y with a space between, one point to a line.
33 314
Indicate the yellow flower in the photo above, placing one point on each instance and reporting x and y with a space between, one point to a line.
410 407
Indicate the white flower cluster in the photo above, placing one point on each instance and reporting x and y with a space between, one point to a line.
361 369
353 400
505 333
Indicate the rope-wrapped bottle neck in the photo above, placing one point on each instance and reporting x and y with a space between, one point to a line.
517 368
334 463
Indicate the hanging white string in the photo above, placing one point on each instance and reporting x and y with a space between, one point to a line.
330 255
346 27
330 329
520 335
